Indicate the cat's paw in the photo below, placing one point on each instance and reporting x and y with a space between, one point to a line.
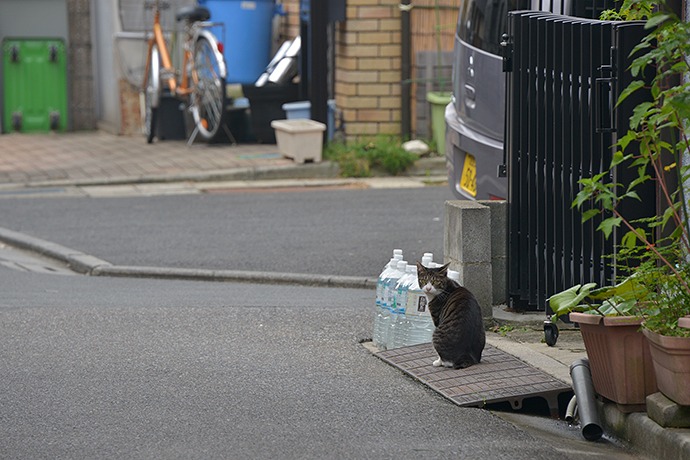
437 363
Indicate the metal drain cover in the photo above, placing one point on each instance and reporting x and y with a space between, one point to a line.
499 377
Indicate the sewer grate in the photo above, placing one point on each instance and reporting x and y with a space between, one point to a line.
499 377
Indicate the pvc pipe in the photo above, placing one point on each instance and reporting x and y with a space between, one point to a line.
590 425
571 410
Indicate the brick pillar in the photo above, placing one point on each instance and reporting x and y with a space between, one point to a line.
368 68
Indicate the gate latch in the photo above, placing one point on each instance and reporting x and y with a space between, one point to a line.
604 97
507 47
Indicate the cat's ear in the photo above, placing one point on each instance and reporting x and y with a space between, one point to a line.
444 269
420 266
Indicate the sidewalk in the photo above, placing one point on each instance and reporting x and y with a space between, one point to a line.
93 163
98 158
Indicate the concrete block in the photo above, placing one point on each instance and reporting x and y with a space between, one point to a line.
499 249
476 277
666 412
467 246
467 231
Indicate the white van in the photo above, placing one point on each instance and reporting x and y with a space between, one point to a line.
475 117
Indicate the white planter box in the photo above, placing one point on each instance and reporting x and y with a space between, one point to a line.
301 140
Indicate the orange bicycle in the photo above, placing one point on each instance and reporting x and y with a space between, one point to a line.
201 83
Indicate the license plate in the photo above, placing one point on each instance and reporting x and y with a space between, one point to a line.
468 180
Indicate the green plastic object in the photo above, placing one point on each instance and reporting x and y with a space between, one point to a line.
438 102
35 85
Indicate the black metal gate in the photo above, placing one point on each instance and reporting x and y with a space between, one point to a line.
563 78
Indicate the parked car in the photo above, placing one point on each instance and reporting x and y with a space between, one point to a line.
475 117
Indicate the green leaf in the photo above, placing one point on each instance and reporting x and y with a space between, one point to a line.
590 214
631 88
618 158
656 20
631 238
607 225
570 299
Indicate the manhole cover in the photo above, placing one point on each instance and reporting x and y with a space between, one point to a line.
500 377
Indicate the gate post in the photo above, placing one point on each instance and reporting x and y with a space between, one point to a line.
467 246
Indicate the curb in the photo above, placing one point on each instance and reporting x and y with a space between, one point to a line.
435 166
300 279
90 265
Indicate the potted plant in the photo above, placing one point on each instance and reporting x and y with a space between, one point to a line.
655 146
619 355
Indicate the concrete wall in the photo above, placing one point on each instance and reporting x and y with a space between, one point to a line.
106 20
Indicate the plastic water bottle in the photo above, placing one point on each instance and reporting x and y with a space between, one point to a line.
397 255
419 326
388 305
397 331
387 270
454 275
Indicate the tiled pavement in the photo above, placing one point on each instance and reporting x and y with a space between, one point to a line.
99 157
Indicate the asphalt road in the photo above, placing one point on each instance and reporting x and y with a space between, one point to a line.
329 232
128 368
95 367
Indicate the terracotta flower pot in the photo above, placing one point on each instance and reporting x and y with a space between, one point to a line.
619 359
671 357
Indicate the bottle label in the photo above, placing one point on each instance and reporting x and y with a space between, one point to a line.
416 304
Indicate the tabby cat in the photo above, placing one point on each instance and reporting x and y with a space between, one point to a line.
459 336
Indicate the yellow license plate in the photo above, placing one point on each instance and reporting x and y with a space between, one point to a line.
468 180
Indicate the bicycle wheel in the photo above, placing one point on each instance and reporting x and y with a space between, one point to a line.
207 99
152 96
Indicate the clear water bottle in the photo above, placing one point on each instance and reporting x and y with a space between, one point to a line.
388 306
378 315
378 311
397 331
454 275
419 326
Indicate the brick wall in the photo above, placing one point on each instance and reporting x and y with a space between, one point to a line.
368 68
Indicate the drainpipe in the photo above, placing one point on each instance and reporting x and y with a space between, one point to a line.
571 410
405 72
590 425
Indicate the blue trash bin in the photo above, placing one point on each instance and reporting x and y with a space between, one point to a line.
247 40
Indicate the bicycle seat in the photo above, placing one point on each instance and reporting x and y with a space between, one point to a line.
193 13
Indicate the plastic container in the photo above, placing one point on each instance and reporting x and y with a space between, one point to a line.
297 110
400 323
389 302
419 326
265 105
378 336
35 85
302 109
300 139
246 35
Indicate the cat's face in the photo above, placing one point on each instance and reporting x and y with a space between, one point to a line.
432 280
